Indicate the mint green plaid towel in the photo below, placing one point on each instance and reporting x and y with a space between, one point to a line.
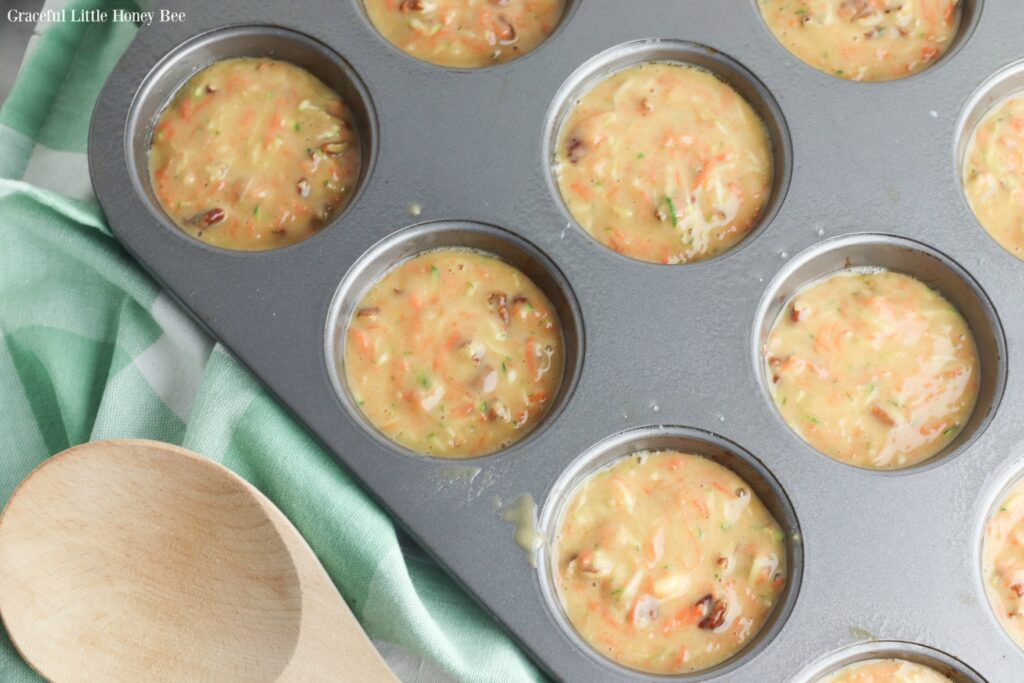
90 348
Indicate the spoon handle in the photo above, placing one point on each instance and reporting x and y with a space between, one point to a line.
332 644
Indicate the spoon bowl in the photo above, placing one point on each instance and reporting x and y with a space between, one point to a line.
138 560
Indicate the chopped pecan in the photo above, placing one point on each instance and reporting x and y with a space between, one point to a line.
795 313
715 616
504 30
368 312
1018 588
410 6
574 150
302 187
212 217
500 302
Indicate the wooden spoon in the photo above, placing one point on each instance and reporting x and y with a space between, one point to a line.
136 560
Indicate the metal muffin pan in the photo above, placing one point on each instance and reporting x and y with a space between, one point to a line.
891 556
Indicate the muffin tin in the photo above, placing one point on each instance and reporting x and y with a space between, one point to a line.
867 174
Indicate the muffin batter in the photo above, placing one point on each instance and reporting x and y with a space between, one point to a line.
454 353
465 33
885 671
994 174
1002 562
664 163
873 368
668 562
864 40
254 154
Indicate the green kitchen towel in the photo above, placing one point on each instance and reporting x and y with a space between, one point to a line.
90 348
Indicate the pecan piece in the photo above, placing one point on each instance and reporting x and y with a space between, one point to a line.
368 312
410 6
212 217
500 302
574 150
715 616
504 30
302 187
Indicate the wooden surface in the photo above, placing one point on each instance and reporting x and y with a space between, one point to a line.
139 561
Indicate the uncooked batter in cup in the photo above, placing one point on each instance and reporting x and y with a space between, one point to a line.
1002 562
668 562
994 174
873 368
254 154
864 40
664 163
465 33
885 671
454 353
